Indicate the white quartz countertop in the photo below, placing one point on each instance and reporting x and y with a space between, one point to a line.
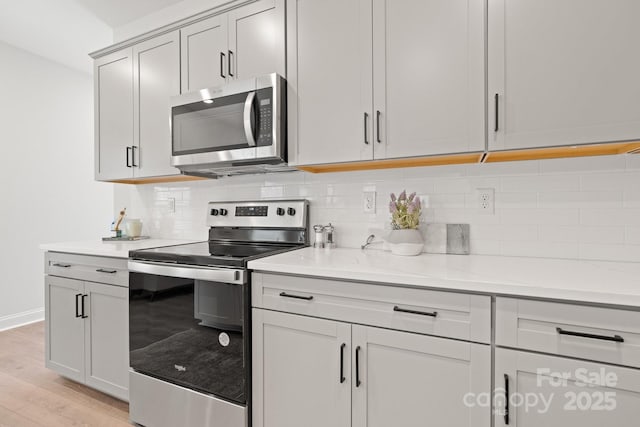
110 249
572 280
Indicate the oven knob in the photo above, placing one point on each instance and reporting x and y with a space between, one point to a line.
224 212
280 211
291 211
215 212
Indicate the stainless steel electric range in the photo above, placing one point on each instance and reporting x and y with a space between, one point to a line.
189 316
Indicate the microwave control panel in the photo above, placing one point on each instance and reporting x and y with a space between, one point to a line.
264 125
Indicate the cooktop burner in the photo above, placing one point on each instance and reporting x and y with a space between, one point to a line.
210 253
238 233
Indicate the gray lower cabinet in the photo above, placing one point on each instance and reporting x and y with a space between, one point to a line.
86 331
559 392
317 372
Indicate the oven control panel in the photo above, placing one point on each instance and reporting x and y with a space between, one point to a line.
264 213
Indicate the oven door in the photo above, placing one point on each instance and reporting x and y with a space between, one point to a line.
233 124
189 326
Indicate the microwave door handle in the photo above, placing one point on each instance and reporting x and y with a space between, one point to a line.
248 110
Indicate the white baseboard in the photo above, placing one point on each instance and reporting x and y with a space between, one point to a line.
21 319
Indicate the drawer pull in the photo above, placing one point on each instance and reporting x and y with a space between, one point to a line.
342 377
104 270
286 295
422 313
59 264
615 338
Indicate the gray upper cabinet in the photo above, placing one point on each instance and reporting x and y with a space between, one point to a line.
247 41
256 39
204 53
132 90
429 85
113 89
563 72
157 77
384 79
330 81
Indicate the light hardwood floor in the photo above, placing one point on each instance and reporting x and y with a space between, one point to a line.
33 396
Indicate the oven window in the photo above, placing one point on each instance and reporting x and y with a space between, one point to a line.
189 332
202 127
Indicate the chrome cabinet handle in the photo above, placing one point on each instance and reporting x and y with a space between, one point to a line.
615 338
378 114
104 270
248 111
133 156
229 63
366 136
422 313
222 55
286 295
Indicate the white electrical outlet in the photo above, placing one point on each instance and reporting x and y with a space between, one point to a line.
369 201
486 200
171 204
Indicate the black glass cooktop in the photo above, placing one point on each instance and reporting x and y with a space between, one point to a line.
211 253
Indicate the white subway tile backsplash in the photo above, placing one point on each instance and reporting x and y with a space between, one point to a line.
583 164
558 216
541 183
567 208
601 252
577 199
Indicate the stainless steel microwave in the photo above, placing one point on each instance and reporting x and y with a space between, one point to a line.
239 127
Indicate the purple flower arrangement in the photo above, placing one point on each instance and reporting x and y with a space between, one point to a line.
405 211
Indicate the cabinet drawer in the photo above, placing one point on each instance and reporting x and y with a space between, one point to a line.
446 314
594 333
112 271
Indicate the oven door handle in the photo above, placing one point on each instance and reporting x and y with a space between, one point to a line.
211 274
248 111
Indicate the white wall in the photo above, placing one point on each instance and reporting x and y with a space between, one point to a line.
62 30
586 208
48 195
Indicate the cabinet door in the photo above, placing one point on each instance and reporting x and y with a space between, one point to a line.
256 39
297 378
564 72
64 327
329 54
429 77
113 91
157 69
553 391
107 338
204 61
410 380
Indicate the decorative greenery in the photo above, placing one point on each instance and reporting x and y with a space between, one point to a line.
405 211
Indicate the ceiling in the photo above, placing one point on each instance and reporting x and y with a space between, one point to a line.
115 13
65 31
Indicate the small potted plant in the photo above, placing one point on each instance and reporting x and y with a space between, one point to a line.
405 238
